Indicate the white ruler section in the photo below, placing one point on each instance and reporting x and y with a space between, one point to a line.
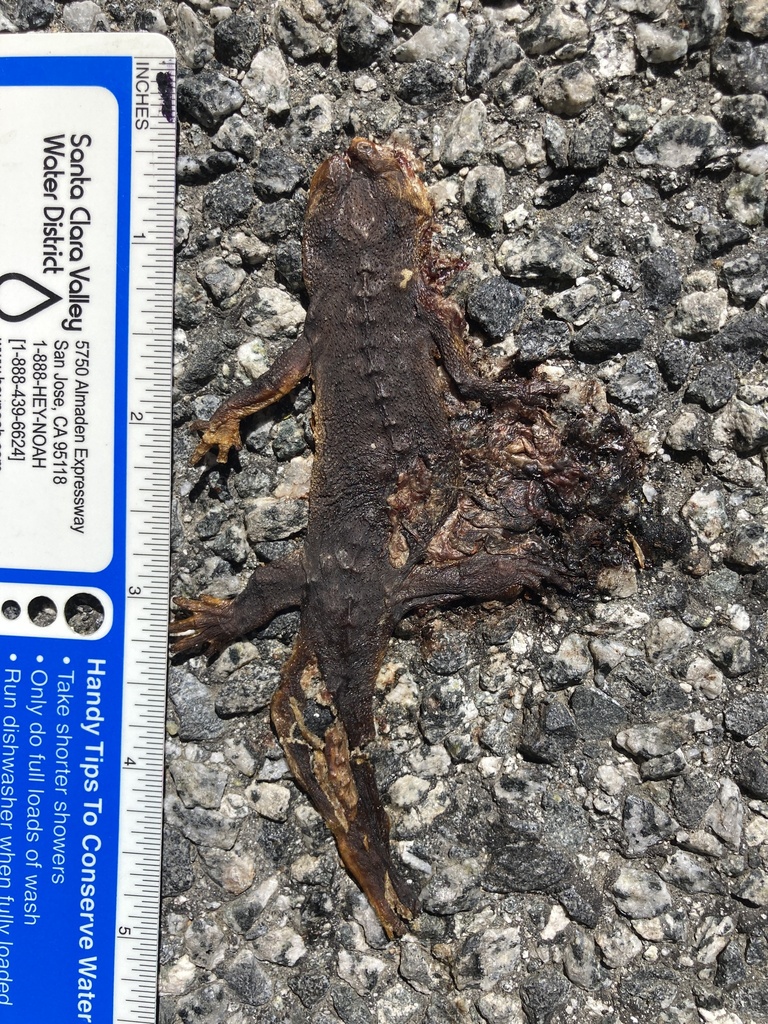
153 192
87 174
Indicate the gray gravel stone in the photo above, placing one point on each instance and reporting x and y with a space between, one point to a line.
569 666
645 825
640 894
194 706
298 38
34 15
463 144
746 201
567 91
751 16
198 785
732 653
741 66
194 39
660 44
493 48
636 385
747 547
746 277
246 978
446 41
484 188
267 83
552 29
543 256
700 314
85 16
681 141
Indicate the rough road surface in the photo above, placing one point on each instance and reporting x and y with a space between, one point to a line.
580 790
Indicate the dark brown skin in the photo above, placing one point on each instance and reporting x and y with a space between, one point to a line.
393 524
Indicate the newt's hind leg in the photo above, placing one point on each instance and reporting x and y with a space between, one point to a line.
212 623
341 784
481 577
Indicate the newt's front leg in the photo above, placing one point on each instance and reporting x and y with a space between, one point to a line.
341 784
222 431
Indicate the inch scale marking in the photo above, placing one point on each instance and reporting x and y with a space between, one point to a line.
87 159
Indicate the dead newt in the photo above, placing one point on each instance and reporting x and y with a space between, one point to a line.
396 522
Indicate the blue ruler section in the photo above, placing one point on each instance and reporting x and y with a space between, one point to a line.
60 701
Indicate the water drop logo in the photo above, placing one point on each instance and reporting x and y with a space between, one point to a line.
16 293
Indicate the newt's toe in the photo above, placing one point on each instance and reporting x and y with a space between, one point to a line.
224 437
203 628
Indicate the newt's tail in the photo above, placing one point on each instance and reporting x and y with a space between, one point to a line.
341 784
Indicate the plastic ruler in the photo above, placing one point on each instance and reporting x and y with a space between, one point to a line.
87 171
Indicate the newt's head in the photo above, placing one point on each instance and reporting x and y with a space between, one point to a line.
368 201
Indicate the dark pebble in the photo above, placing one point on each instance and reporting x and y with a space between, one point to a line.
178 873
527 867
549 731
196 169
425 82
691 795
33 15
559 191
745 339
539 340
747 715
751 771
207 99
675 358
582 902
236 40
614 332
662 281
731 970
349 1006
276 174
590 144
746 278
646 991
275 221
543 994
718 237
713 386
247 980
597 715
496 305
362 34
745 116
228 200
741 66
288 265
